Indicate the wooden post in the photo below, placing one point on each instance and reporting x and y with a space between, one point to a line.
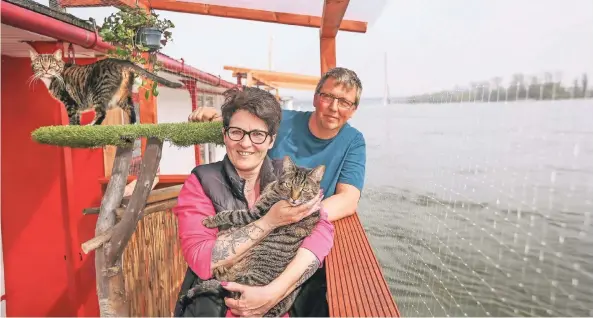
331 19
111 238
110 280
122 232
148 113
328 54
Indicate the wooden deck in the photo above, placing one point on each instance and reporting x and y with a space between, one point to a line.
355 282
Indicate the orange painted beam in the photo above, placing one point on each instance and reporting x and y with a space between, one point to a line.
283 79
252 14
276 85
333 14
273 75
304 87
328 54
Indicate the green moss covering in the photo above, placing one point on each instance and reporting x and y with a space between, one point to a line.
179 134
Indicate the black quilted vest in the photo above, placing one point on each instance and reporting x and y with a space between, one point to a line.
224 187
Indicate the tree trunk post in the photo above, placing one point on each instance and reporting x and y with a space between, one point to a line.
124 229
110 280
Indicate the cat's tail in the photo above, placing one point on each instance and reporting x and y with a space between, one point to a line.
208 287
151 76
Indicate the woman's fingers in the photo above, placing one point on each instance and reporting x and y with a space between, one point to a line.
310 207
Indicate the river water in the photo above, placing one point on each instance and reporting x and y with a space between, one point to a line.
482 209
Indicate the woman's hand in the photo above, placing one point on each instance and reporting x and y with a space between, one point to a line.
254 300
282 213
204 114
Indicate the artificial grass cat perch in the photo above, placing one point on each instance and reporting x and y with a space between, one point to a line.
179 134
111 236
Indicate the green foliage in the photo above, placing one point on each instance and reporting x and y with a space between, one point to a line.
179 134
120 29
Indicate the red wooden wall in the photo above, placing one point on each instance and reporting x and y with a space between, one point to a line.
46 273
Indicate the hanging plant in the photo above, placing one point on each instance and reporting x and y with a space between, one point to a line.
134 31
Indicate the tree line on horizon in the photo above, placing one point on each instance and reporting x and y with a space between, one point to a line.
519 88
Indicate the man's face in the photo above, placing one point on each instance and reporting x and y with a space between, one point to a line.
334 104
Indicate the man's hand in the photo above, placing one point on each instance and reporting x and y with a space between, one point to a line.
283 213
202 114
254 300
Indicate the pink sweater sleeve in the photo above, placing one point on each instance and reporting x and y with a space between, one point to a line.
321 240
197 241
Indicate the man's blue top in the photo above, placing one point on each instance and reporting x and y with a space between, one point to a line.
344 156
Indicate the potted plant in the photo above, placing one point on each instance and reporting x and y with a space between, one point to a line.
149 37
134 31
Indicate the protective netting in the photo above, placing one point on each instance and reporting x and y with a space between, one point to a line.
478 200
175 105
480 208
125 35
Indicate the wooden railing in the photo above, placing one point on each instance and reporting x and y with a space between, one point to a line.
356 285
355 282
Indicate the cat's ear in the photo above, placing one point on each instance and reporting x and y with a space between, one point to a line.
317 173
58 54
33 55
288 164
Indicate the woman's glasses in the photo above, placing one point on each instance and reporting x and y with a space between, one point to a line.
256 136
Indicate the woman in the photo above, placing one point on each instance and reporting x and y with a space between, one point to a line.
251 118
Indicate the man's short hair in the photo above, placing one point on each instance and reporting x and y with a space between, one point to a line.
256 101
345 77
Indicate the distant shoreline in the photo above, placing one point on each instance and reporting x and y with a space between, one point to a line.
518 89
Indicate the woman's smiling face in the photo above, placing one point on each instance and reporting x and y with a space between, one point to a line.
247 152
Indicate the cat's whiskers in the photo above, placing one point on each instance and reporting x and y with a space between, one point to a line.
32 80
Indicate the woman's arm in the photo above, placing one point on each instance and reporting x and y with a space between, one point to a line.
203 249
257 300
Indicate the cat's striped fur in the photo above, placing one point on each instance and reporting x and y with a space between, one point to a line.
100 86
265 261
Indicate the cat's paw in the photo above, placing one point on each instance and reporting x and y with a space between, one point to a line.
220 271
209 222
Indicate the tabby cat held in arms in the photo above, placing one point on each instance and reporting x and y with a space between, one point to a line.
101 86
266 260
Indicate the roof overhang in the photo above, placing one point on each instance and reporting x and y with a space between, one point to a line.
330 16
279 17
306 13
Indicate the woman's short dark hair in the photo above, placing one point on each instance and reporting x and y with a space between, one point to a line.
256 101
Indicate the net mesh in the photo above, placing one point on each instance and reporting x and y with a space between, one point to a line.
484 208
157 102
478 200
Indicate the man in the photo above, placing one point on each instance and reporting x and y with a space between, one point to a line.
310 139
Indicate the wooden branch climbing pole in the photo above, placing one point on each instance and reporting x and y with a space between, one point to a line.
112 238
119 215
110 279
123 231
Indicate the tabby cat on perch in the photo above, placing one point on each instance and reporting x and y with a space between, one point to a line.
101 86
265 261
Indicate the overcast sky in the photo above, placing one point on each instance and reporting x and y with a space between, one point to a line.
430 44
